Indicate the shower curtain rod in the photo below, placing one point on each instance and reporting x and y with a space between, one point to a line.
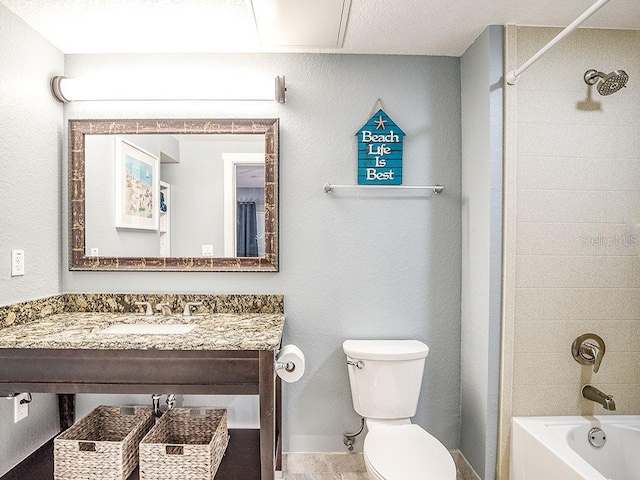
513 75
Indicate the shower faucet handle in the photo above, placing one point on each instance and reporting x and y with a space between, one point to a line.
594 351
588 349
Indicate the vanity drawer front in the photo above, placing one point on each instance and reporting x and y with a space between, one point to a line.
124 371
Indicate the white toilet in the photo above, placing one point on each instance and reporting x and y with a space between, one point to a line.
385 377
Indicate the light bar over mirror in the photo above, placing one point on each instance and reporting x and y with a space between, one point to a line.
168 88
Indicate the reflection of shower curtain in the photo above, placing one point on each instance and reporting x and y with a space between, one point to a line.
247 230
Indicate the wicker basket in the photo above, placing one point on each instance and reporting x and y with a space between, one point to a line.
185 444
103 445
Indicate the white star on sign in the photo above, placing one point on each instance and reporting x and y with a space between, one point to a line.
380 123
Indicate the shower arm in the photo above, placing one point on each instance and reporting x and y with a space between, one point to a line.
512 76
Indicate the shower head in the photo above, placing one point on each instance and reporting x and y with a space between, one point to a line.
606 83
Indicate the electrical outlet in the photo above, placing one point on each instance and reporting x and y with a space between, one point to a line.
17 263
21 407
94 252
207 250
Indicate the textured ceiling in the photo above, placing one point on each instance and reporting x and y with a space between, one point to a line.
429 27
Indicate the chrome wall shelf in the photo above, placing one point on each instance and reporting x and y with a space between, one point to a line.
329 187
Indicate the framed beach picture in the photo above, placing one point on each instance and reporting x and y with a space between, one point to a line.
137 192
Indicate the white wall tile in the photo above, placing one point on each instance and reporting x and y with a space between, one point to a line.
537 238
563 67
576 271
578 108
545 369
561 206
561 368
562 304
583 140
623 206
577 203
530 400
539 336
546 400
576 173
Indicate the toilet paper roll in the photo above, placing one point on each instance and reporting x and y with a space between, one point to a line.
290 363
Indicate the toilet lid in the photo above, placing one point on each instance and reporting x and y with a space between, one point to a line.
407 451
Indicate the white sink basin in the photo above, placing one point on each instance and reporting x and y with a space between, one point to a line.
149 329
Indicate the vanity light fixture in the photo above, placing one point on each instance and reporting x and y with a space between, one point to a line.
66 90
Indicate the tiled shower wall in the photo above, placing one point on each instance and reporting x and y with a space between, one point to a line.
572 226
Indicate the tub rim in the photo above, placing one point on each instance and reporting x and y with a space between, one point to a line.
538 428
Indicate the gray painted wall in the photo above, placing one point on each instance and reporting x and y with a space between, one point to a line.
31 139
353 265
101 232
30 135
197 193
481 84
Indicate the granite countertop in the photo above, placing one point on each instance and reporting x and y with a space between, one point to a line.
214 331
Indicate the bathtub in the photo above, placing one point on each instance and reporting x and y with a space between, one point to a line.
558 448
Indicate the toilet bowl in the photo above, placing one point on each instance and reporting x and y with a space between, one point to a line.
406 452
385 378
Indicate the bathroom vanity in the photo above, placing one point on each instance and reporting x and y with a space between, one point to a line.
226 353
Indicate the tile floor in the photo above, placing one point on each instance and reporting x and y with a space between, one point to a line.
334 476
310 466
325 476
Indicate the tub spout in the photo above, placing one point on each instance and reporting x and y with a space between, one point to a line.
592 393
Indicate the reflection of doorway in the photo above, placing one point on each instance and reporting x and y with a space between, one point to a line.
243 182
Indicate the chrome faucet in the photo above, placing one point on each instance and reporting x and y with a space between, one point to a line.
164 308
148 312
188 307
592 393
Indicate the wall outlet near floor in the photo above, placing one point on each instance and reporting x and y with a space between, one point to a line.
17 263
207 250
21 407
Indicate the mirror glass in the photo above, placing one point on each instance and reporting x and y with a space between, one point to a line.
174 195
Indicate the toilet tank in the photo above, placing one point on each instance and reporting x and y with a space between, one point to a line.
388 384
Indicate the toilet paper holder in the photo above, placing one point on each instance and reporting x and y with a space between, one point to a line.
287 366
289 363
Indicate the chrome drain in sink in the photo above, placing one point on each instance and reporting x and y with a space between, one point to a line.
597 437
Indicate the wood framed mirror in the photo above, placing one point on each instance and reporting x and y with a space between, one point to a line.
173 195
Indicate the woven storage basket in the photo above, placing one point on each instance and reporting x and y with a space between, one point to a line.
103 445
185 444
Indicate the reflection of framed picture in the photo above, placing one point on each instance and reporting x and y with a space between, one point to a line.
137 194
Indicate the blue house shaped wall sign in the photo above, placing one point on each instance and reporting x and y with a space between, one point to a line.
380 151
